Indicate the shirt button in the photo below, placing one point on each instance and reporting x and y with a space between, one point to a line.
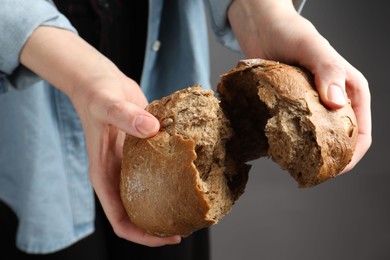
156 45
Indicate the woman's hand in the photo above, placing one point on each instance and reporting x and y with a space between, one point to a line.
109 105
273 30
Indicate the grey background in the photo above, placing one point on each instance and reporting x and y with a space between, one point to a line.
347 217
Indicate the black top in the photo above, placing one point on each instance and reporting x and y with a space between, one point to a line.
117 28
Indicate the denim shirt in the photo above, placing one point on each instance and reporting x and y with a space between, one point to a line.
43 161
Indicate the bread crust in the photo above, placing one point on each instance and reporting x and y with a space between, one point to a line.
159 173
310 141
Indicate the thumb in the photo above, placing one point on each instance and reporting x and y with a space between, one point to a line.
328 68
330 84
145 125
132 119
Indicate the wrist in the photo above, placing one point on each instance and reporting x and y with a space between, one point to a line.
253 21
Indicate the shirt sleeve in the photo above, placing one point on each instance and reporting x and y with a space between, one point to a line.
220 24
18 19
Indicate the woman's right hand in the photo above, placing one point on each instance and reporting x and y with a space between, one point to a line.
109 105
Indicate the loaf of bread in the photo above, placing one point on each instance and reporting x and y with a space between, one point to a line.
190 174
182 179
276 111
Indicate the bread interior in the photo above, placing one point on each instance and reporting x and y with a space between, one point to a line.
265 125
248 116
200 118
291 136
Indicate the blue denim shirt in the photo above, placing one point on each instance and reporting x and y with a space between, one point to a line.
43 161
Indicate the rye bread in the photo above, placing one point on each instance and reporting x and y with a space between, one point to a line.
189 175
276 111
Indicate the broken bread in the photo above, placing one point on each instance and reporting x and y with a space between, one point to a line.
275 111
182 179
191 173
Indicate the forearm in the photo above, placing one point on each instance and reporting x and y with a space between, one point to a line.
254 23
259 11
63 58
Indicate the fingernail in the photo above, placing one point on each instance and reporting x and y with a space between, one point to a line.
336 95
145 124
176 239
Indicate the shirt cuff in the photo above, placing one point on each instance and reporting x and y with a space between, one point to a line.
220 24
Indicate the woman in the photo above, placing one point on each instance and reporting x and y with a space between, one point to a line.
93 61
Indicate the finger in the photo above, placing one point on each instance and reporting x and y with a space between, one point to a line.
122 226
330 84
131 232
337 81
359 94
132 119
363 143
329 73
